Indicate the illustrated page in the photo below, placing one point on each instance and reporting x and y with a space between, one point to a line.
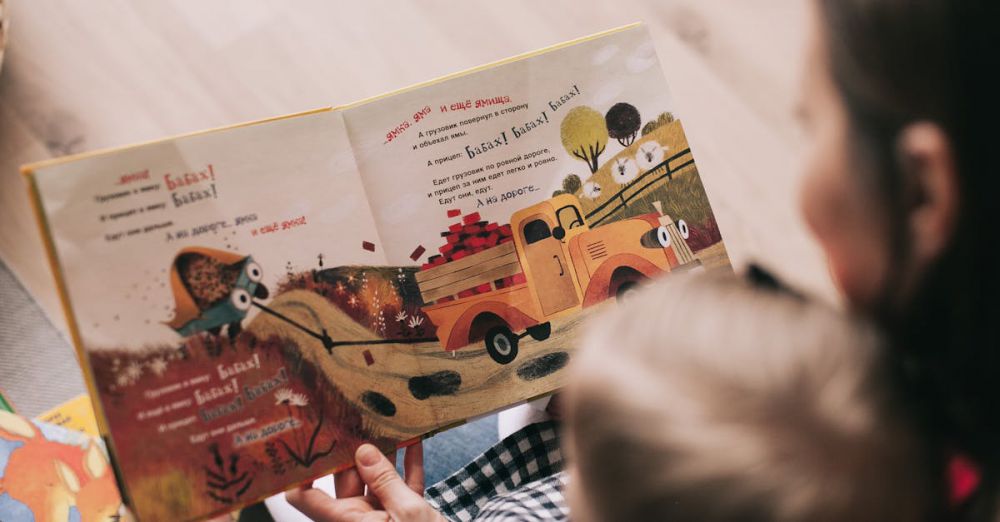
210 279
50 472
527 194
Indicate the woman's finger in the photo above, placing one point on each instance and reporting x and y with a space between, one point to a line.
386 485
347 484
413 466
320 507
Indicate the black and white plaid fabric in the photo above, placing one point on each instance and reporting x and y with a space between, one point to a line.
540 500
521 478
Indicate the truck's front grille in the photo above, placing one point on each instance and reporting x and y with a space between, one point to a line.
597 250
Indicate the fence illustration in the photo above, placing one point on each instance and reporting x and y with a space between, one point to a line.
666 169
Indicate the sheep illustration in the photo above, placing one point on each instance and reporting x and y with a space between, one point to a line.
649 155
592 190
213 288
624 171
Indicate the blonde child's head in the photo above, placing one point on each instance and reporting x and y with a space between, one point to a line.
708 398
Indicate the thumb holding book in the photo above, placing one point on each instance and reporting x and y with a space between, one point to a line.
389 497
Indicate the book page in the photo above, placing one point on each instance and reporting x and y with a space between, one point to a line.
207 277
530 193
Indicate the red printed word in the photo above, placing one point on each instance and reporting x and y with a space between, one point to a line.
405 124
176 181
477 104
134 176
277 226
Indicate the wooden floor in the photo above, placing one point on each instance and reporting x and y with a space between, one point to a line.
86 75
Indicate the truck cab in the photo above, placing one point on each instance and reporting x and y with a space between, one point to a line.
568 265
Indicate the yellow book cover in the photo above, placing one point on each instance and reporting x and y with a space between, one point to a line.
252 303
74 414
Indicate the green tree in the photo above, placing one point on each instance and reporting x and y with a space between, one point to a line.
623 123
571 184
584 135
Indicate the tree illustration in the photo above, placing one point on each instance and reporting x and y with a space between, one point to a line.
571 184
584 135
623 123
662 119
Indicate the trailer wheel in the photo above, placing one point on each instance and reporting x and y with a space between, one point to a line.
501 344
540 332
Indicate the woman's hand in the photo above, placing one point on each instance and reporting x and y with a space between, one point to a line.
389 496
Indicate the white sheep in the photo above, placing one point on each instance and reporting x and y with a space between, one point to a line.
650 154
591 190
624 171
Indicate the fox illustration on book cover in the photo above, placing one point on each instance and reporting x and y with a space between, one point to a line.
54 475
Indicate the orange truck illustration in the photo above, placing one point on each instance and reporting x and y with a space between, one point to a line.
561 266
51 481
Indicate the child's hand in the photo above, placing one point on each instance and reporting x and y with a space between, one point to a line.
388 498
555 407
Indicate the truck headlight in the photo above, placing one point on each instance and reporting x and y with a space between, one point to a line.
656 238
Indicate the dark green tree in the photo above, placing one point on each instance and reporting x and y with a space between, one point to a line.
571 184
623 122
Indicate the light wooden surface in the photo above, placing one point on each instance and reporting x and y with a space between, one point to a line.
85 75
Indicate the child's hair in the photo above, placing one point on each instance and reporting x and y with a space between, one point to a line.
708 398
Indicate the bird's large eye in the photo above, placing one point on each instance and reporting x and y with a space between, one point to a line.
240 299
682 227
253 271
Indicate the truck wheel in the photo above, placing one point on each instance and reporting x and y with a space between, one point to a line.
501 344
625 291
540 332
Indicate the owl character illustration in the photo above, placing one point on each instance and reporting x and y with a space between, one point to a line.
213 289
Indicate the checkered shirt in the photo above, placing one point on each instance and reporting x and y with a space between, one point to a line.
521 478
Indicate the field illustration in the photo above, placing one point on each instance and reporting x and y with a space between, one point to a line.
655 172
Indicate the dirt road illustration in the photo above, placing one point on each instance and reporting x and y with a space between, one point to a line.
411 389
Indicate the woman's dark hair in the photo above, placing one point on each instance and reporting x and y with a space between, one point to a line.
898 62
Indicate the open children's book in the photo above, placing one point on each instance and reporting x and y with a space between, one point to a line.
252 303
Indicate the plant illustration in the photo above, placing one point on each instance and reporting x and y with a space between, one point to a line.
225 480
623 123
584 135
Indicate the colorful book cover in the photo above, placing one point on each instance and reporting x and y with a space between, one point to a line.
252 303
74 414
53 474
